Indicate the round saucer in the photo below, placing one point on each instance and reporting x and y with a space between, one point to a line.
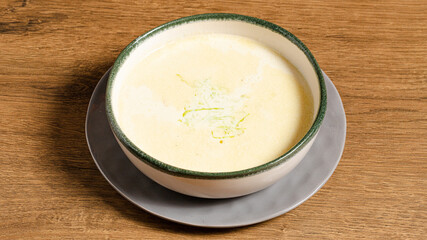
292 190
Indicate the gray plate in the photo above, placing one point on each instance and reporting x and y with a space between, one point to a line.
292 190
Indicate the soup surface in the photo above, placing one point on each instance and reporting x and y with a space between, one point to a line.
214 103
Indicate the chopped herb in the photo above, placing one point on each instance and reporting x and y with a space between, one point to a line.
183 80
199 109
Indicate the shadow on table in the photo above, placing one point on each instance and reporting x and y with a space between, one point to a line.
72 157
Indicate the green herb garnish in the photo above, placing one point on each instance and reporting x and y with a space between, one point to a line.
216 110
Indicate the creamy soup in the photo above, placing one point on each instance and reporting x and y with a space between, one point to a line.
214 103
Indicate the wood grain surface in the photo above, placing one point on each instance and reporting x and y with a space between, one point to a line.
52 54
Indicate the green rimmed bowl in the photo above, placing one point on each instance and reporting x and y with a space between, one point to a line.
219 184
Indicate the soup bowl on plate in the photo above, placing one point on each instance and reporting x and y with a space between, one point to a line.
216 105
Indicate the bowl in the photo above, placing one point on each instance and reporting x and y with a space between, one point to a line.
221 184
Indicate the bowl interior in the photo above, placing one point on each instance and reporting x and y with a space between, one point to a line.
267 33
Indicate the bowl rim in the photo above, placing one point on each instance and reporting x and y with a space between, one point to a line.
176 171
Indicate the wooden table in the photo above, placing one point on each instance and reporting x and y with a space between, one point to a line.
52 54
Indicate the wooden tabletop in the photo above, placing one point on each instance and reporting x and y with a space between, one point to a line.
52 54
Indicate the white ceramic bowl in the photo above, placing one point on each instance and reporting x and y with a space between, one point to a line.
220 184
